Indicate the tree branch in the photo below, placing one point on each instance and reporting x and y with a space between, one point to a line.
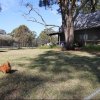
33 19
32 9
78 9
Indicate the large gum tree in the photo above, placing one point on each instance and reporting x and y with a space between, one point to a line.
69 10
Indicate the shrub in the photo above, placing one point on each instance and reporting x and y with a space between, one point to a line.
91 47
49 47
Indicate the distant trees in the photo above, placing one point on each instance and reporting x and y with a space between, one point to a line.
44 38
5 40
23 36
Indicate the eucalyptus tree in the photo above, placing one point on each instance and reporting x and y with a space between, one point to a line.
69 10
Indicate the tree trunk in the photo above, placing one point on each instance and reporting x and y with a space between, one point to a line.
69 33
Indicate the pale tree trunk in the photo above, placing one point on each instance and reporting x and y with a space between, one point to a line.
69 12
67 23
69 33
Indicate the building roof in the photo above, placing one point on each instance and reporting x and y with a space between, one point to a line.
2 31
86 21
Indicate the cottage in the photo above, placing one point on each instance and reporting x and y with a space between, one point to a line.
87 29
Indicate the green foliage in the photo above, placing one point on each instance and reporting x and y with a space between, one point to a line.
92 47
22 29
47 2
44 38
44 47
91 6
49 47
23 35
98 5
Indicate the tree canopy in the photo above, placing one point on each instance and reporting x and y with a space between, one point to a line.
91 6
44 38
23 35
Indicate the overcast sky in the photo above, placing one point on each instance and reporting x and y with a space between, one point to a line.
12 11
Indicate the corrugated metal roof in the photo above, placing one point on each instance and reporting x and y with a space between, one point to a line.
84 21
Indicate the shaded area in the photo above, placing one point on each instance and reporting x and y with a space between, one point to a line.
5 49
59 75
58 62
19 86
86 69
13 71
2 51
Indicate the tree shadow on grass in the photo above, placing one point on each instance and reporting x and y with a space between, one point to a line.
62 65
13 71
77 95
57 62
69 64
19 85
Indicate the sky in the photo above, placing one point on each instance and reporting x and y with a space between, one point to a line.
12 17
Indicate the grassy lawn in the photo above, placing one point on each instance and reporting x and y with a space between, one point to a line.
49 74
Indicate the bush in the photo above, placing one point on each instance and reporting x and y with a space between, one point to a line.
91 47
49 47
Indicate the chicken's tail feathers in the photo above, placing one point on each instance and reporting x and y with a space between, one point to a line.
8 63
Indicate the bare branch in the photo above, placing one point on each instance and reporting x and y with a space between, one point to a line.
33 19
52 25
36 21
32 9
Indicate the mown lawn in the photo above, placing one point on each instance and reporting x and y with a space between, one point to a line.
49 74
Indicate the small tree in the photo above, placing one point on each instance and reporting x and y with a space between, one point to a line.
44 38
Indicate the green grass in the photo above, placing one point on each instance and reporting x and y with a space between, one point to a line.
92 48
49 47
49 74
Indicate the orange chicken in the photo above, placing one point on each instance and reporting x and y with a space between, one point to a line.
5 68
